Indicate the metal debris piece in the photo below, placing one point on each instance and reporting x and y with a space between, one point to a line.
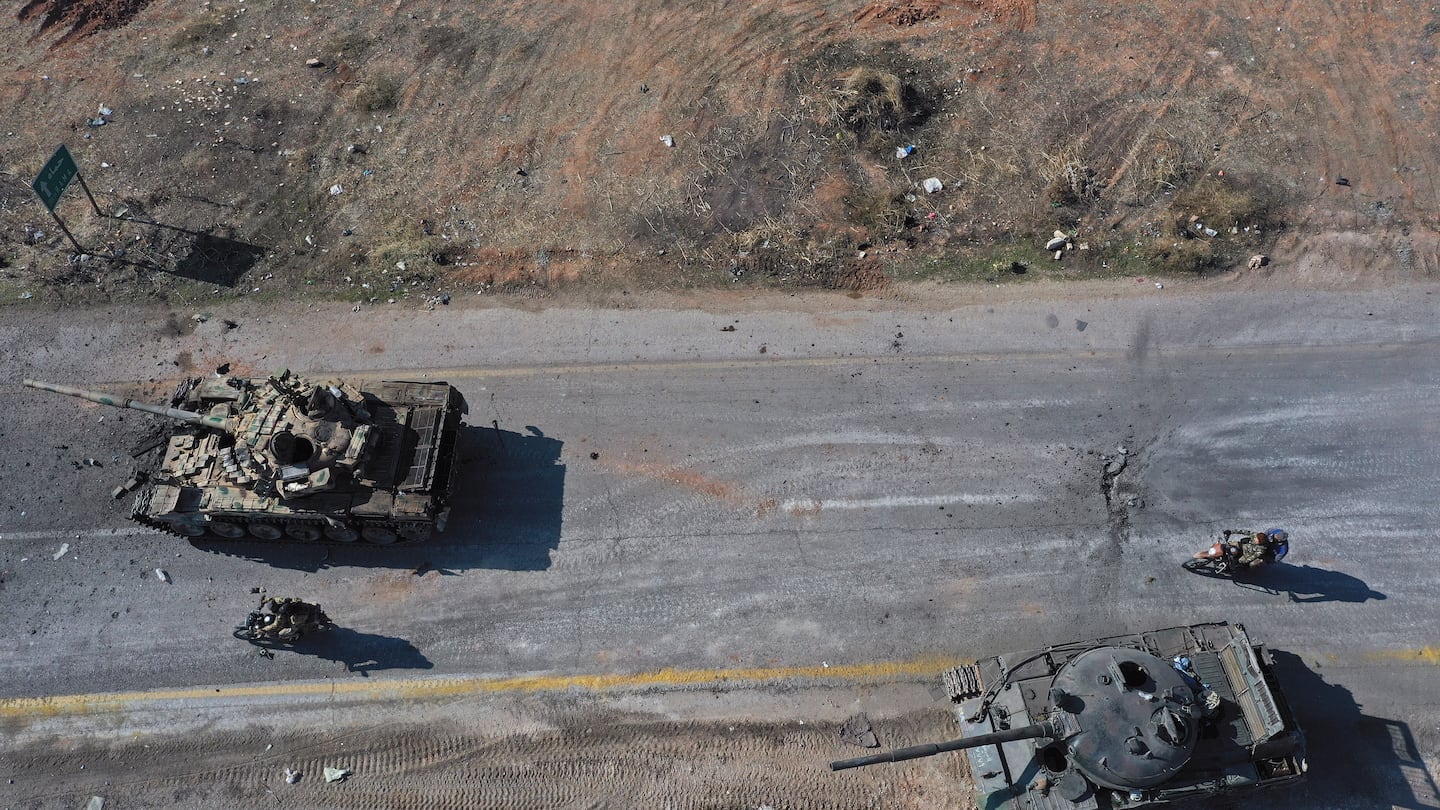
291 777
64 549
161 575
336 774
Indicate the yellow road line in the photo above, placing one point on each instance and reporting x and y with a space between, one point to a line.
427 688
1421 655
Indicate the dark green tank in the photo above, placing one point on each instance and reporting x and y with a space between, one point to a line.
289 459
1127 721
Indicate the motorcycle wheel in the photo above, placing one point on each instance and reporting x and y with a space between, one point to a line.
1207 568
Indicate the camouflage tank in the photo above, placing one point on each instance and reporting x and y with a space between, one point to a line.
289 459
1129 721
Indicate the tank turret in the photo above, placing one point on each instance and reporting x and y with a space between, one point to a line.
1120 722
286 457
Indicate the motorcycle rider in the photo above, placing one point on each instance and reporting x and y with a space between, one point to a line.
1259 548
287 617
1253 550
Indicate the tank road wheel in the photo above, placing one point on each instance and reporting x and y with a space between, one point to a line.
302 532
341 534
379 535
229 531
187 529
264 531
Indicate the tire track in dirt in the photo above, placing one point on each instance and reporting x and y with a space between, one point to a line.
596 760
1177 70
1363 141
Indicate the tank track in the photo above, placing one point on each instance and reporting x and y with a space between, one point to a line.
963 682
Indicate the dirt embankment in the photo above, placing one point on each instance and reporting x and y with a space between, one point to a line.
406 149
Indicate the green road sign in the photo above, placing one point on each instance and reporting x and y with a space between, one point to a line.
55 177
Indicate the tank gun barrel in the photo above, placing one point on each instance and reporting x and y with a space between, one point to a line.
191 417
931 749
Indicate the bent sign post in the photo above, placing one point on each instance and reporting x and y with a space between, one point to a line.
51 183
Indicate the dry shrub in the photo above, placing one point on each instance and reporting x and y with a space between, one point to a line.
876 105
380 94
1178 255
1068 181
900 13
1221 203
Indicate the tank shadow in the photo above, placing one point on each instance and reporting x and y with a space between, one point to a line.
506 508
363 652
1306 583
1355 760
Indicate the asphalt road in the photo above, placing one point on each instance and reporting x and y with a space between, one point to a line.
829 484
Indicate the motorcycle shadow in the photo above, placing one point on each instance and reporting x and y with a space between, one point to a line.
363 652
1306 583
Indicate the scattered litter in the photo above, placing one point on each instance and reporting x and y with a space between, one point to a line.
64 549
26 296
336 774
667 140
728 328
1058 241
312 62
243 80
1258 261
105 110
1211 232
932 185
161 575
200 317
97 122
336 190
1058 254
857 731
1159 286
291 777
1342 181
902 152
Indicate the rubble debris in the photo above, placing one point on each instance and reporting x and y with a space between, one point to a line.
312 62
1258 261
933 185
857 731
902 152
161 575
1059 241
336 774
667 140
131 484
291 777
64 549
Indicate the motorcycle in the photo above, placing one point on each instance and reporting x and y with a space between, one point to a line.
1222 559
291 621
